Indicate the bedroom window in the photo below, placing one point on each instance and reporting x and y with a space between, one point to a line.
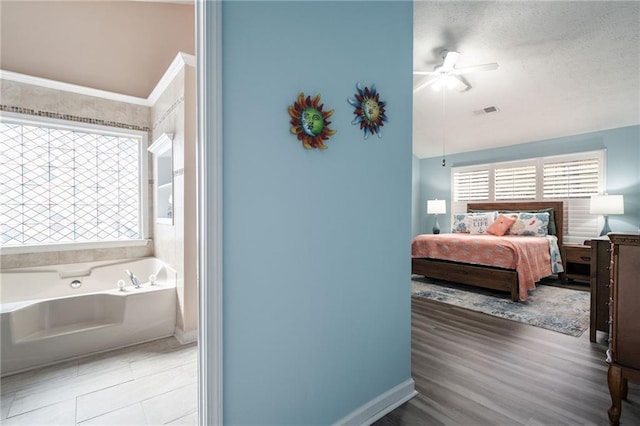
515 183
471 185
576 178
572 178
67 184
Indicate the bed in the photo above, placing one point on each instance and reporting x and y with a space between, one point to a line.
512 276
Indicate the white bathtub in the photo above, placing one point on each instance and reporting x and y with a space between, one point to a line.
45 319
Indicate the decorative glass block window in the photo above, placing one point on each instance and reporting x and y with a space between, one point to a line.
65 184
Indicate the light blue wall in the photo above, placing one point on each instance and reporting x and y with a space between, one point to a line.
316 243
416 205
622 167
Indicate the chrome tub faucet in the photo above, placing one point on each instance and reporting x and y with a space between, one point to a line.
134 280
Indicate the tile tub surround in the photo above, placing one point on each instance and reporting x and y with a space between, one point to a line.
47 258
149 384
45 318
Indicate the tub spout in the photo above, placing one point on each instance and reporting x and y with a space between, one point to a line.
134 280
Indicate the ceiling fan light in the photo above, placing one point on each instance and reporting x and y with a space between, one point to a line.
451 82
444 82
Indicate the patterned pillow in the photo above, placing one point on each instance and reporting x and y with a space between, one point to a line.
478 223
473 223
531 224
502 224
460 223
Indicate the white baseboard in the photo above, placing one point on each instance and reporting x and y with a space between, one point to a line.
381 405
184 338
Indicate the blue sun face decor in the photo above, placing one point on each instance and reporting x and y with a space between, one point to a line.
369 110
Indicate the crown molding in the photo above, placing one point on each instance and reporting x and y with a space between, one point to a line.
161 144
178 63
67 87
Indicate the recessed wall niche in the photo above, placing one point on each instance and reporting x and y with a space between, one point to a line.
162 150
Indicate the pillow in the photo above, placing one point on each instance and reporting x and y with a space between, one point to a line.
479 222
502 224
552 219
460 223
531 224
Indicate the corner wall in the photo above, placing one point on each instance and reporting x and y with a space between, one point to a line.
316 263
175 112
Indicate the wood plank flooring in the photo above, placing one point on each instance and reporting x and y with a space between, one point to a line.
474 369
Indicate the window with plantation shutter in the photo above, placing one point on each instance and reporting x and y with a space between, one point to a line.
471 185
571 179
515 183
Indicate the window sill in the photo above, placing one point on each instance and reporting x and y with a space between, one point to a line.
43 248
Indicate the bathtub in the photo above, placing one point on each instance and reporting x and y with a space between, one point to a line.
50 314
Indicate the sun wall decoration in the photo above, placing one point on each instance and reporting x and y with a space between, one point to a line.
369 110
309 123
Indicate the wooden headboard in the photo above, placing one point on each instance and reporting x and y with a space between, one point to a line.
524 206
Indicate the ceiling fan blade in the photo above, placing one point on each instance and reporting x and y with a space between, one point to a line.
475 68
425 73
463 82
450 60
424 85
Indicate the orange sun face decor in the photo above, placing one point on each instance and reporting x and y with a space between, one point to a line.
309 123
369 110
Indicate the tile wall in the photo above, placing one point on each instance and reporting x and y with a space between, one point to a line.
176 243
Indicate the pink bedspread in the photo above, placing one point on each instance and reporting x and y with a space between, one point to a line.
529 256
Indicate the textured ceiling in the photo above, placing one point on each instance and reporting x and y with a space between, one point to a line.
564 68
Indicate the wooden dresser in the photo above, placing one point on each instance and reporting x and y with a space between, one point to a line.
623 354
599 280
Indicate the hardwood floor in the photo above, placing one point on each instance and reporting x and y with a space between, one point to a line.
474 369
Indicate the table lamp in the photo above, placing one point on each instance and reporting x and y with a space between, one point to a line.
436 207
606 205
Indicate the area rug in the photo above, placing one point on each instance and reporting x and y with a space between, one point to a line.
548 306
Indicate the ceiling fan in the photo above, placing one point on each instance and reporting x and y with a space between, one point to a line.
448 76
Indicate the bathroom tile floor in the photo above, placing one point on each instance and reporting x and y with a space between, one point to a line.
153 383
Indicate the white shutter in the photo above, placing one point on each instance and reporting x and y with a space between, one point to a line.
571 179
579 224
515 183
471 185
574 181
468 185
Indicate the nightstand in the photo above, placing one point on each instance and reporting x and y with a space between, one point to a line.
577 261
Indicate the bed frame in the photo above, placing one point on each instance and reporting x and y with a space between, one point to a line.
486 276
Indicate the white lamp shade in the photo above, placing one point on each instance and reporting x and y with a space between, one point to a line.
606 204
436 206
